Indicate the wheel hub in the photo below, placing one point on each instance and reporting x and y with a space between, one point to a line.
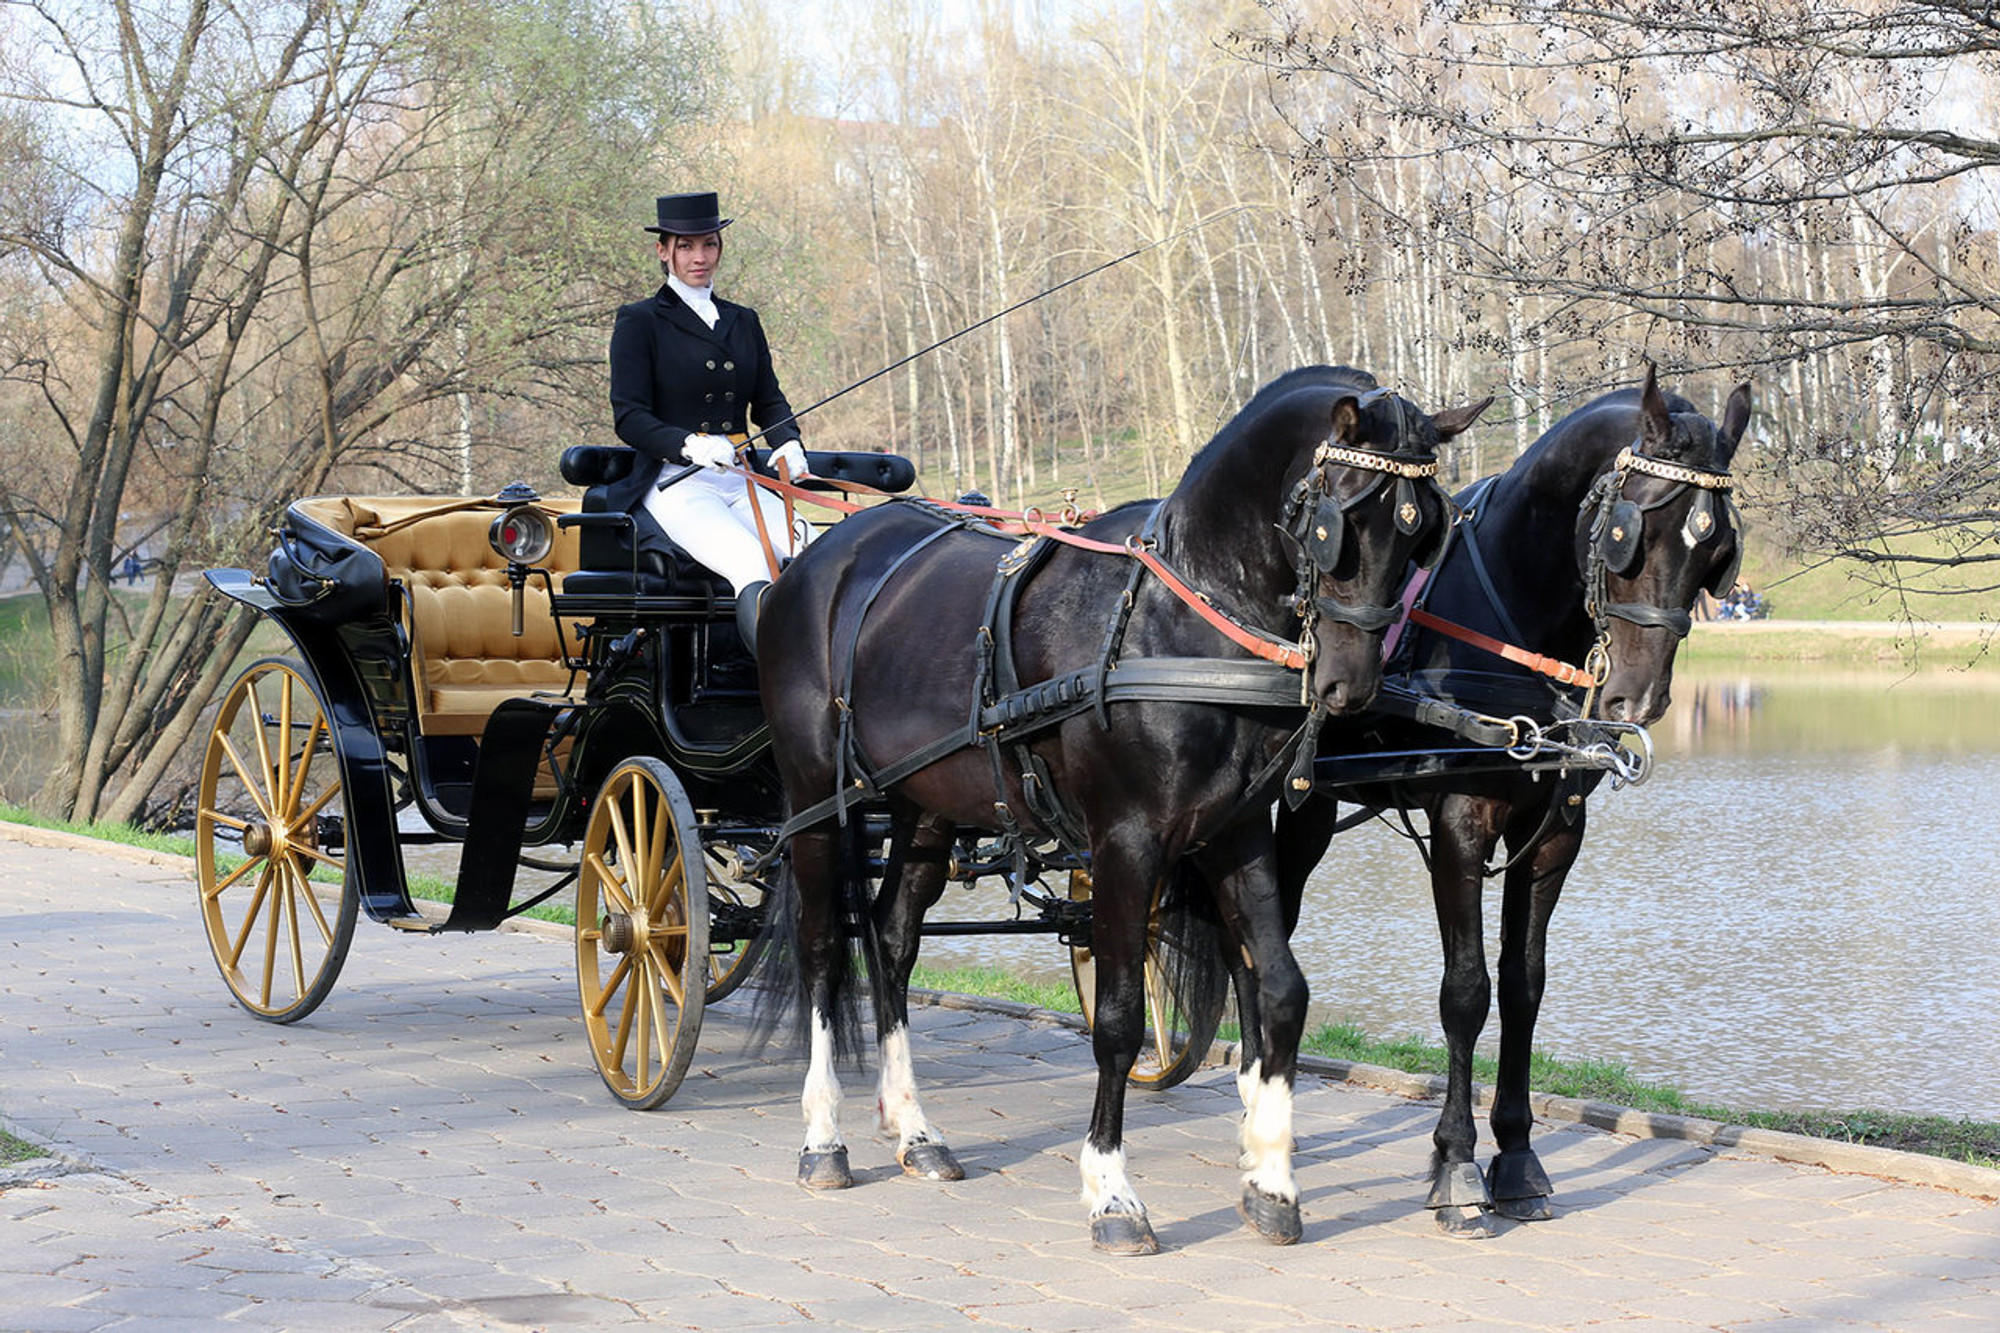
618 932
258 839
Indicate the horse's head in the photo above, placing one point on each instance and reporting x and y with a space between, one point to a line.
1657 529
1366 507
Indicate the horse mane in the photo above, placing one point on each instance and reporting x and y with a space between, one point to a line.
1266 399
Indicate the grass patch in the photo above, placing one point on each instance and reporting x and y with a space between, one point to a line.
1965 1140
997 984
13 1150
1949 655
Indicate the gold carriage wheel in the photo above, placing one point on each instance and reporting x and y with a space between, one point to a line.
1176 1041
641 954
277 903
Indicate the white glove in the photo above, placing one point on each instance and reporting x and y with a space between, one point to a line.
791 454
709 451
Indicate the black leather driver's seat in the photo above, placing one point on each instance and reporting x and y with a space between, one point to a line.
607 562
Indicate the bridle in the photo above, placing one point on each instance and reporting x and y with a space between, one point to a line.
1315 520
1616 529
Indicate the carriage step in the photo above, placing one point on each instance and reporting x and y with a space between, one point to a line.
418 922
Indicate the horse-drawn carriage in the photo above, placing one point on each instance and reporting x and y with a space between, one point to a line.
510 675
945 693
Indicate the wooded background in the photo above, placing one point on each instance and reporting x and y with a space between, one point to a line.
251 251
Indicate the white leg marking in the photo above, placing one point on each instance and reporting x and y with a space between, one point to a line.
1105 1186
902 1114
821 1099
1246 1090
1267 1140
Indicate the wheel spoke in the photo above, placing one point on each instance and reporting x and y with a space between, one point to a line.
250 916
610 987
312 902
271 939
310 749
268 786
668 974
620 834
623 1036
294 884
318 804
223 884
663 1032
644 992
281 796
650 812
665 889
251 787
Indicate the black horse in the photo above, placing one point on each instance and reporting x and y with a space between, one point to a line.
1591 549
979 687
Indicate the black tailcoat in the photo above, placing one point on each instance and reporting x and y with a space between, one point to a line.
672 376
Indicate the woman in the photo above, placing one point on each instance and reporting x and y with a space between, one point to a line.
689 374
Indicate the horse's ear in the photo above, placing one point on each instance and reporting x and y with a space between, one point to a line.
1453 420
1655 429
1735 419
1346 418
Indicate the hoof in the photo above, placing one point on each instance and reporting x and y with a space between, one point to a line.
1457 1185
1275 1219
825 1170
1518 1181
1464 1222
1534 1209
1123 1233
930 1161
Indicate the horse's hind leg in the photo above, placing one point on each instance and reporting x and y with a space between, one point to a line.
1516 1179
914 881
822 945
1125 879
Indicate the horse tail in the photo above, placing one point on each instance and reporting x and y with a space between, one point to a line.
1191 954
782 1012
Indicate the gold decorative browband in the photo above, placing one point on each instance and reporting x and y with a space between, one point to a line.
1630 461
1330 452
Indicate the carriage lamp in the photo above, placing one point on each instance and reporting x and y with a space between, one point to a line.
522 535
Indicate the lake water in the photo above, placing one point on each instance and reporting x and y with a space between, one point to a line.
1800 908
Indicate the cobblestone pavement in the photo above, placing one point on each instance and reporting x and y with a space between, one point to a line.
432 1150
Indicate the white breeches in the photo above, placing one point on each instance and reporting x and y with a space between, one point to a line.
709 516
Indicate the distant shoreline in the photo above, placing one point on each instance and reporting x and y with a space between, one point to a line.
1958 650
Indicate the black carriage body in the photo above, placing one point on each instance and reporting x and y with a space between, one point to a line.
399 610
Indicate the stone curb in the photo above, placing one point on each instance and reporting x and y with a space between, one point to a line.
1977 1182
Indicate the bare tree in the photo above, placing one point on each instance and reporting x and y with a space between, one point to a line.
275 245
1795 187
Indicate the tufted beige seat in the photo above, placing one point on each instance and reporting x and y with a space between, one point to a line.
464 657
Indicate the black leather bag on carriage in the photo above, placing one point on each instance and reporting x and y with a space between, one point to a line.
322 575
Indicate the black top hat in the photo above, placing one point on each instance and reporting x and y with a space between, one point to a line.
695 214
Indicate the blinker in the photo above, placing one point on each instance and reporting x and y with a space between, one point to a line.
1618 541
1700 524
1724 578
1325 534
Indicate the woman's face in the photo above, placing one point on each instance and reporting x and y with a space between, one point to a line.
692 259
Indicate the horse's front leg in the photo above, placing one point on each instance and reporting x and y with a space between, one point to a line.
1464 830
1126 875
917 867
1243 868
1301 837
1519 1185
